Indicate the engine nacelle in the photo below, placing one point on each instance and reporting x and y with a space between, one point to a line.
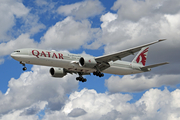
87 62
57 72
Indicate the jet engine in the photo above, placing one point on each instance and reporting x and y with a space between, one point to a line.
57 72
87 62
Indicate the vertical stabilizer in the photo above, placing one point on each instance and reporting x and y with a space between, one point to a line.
141 56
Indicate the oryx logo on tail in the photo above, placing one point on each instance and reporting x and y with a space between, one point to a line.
141 57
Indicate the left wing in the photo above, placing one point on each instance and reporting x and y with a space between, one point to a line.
122 54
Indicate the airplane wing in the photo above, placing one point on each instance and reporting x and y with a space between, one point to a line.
122 54
103 60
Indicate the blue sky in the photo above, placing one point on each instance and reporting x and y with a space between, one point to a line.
94 27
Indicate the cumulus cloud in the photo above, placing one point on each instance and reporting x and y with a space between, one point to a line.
28 113
132 83
12 35
34 109
22 41
15 115
82 10
114 114
47 8
154 104
140 9
9 11
41 2
34 86
107 18
91 102
118 34
31 25
68 34
77 112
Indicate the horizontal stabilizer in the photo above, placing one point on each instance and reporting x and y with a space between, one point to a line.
146 68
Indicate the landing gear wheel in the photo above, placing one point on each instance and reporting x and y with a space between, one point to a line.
81 79
97 73
24 68
84 80
101 75
23 63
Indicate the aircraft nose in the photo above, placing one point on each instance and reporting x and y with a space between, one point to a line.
12 55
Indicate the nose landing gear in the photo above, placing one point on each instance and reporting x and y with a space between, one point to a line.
24 68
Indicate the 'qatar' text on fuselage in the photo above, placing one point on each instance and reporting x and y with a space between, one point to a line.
47 54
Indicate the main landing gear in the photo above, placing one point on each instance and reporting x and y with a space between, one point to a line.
97 73
80 78
24 68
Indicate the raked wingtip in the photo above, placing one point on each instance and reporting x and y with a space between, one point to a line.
161 40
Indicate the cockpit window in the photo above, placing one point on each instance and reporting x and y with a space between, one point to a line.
17 51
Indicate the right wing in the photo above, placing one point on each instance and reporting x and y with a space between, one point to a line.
103 60
122 54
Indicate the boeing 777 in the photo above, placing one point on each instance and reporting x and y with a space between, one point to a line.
63 63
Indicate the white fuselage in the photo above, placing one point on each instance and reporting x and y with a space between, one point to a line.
70 61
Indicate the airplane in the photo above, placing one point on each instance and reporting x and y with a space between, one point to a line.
62 63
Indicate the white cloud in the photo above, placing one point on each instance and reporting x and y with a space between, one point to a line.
15 115
47 8
119 35
28 113
107 18
41 2
34 108
82 10
31 25
77 112
67 9
22 41
154 104
9 11
160 104
34 86
68 34
140 9
12 11
18 8
132 83
90 101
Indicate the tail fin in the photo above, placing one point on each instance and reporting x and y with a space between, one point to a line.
141 56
